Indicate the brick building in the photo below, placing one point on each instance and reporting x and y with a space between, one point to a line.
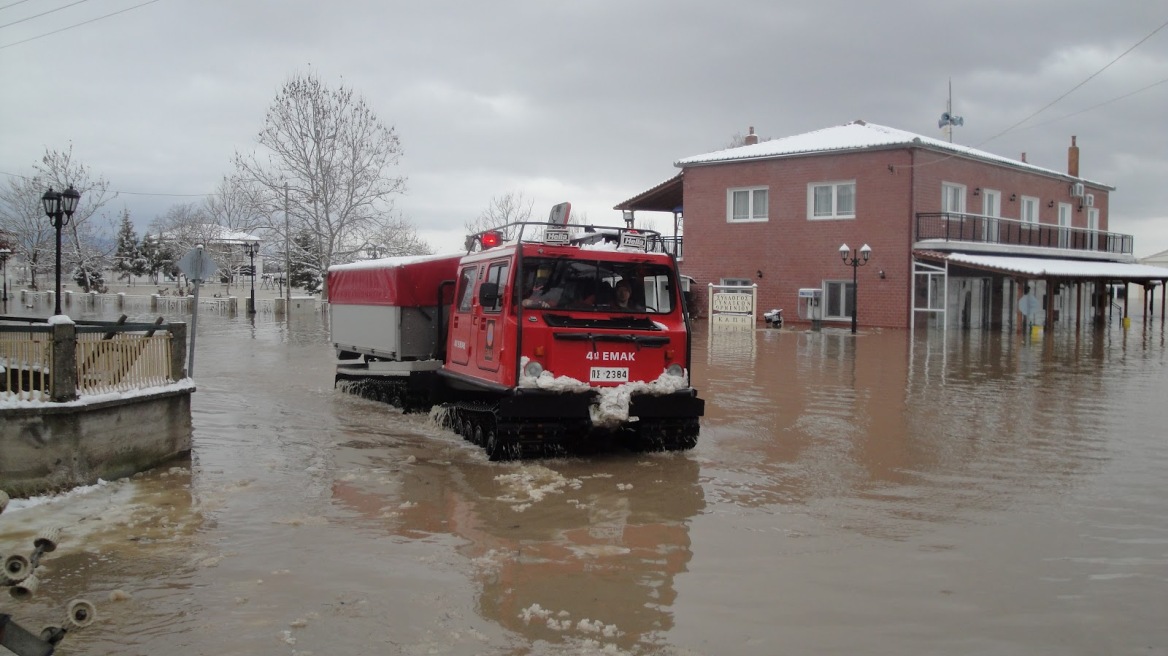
957 235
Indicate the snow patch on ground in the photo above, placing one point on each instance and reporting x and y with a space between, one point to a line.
532 484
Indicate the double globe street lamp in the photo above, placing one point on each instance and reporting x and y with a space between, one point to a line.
59 207
855 261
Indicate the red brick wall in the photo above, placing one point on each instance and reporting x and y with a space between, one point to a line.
792 252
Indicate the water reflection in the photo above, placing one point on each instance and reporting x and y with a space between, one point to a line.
562 550
907 430
961 494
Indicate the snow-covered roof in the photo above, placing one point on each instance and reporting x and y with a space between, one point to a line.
1037 267
858 135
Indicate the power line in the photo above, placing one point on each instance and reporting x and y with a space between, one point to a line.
44 13
1072 89
18 2
92 20
1097 106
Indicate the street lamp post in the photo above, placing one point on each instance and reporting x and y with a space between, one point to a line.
4 253
59 207
251 249
855 262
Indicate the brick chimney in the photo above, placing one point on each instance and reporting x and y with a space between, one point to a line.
1073 159
751 138
1023 158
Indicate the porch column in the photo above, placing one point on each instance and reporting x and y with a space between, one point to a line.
1049 322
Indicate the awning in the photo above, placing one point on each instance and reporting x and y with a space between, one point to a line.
665 197
1046 268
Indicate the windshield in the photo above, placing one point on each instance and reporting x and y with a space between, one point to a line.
597 286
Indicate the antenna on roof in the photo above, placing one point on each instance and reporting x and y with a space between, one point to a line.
948 120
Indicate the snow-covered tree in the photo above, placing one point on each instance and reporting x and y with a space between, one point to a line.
128 258
326 160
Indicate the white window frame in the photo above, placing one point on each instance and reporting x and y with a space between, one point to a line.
739 282
835 189
991 206
1064 222
1093 227
752 212
953 198
1032 203
844 287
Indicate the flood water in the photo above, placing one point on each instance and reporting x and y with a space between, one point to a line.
872 494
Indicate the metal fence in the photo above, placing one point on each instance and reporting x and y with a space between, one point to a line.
59 362
26 358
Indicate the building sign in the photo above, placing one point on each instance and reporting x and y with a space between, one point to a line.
733 306
734 303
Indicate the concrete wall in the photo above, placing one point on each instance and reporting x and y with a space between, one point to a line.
55 447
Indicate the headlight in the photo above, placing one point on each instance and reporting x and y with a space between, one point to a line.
533 369
675 370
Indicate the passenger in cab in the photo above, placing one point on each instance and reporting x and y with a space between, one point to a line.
624 297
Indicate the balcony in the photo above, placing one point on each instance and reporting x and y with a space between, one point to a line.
979 229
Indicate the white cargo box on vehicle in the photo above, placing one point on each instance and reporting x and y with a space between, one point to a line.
390 308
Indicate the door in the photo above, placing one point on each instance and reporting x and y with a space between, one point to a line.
1064 221
461 321
491 338
991 209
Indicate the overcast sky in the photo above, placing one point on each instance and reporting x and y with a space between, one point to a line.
588 101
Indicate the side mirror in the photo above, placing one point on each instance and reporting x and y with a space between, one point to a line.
489 294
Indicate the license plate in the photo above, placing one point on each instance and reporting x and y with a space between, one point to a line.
609 375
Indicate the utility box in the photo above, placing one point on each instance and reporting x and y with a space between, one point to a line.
811 306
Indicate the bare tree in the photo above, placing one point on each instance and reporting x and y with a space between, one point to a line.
237 205
511 207
396 237
325 157
22 215
22 218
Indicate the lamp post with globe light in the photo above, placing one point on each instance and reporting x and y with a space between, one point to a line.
855 262
59 207
4 253
251 249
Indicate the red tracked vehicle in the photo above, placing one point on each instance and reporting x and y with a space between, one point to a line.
542 338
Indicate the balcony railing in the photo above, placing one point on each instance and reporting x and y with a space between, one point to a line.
977 228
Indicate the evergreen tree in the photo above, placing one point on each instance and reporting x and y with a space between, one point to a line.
305 271
128 259
90 278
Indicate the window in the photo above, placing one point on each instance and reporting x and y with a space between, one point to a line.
831 200
497 274
953 198
745 205
838 297
1093 227
1029 210
736 282
466 288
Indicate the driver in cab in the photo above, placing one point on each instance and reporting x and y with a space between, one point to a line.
542 295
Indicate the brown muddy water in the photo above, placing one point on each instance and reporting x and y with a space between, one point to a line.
870 494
